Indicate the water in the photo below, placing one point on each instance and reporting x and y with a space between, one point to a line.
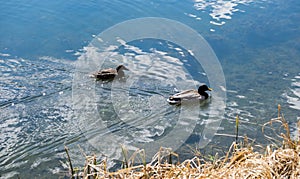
256 42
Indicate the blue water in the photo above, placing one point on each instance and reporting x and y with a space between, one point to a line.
257 45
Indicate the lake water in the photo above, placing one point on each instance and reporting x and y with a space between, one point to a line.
47 100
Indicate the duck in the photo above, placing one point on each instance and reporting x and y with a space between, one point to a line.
190 95
110 73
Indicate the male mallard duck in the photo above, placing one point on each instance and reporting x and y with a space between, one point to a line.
107 74
189 95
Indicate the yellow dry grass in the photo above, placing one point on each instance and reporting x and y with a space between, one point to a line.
239 162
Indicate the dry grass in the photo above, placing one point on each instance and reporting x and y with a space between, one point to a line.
239 162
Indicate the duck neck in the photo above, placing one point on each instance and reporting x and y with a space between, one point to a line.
204 94
119 68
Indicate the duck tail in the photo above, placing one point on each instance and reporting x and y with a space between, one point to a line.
173 100
92 76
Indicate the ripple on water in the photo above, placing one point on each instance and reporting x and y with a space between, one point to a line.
34 111
23 79
133 110
293 97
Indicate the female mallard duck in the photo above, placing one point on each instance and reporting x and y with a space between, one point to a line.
189 95
109 74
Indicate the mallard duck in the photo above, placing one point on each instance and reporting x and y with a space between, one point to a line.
110 73
189 95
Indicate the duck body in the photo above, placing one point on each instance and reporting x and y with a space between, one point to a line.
110 73
190 95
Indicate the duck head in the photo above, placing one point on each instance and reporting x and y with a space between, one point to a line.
121 67
202 89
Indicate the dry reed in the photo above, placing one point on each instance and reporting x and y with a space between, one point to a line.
239 162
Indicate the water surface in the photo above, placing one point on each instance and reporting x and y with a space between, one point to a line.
256 42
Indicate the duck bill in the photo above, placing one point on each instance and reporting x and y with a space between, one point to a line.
210 89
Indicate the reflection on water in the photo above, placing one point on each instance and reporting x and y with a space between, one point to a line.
33 107
38 115
294 98
133 110
292 95
220 10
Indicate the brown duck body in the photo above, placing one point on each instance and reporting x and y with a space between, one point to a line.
106 74
110 73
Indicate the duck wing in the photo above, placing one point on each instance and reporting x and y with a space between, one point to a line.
105 74
187 94
106 71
